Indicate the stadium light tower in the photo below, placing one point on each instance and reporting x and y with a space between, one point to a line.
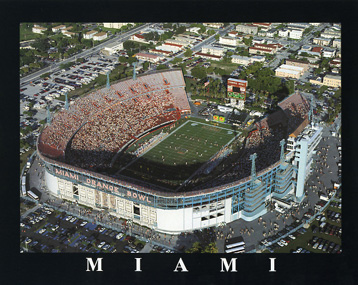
108 80
66 102
253 168
134 74
48 115
282 157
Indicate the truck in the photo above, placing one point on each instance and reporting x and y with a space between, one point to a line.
324 197
337 185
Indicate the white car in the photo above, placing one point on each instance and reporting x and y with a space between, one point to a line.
68 218
28 240
299 250
102 230
119 236
72 220
291 236
42 231
280 244
55 227
101 244
83 223
106 247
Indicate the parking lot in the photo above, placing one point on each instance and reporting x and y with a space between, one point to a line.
49 230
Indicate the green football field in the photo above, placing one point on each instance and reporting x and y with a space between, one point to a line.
180 154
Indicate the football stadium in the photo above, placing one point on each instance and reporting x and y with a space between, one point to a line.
133 149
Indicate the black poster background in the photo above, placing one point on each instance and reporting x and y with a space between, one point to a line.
19 268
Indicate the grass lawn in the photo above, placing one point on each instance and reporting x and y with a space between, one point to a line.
181 153
229 67
27 34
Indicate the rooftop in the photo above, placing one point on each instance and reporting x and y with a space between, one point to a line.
149 55
331 76
91 32
100 34
207 55
291 67
289 71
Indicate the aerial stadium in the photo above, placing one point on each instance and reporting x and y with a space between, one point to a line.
133 149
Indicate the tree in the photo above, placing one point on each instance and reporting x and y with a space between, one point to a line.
152 36
177 60
248 41
188 53
146 65
128 45
166 35
199 72
180 30
318 71
196 248
41 44
161 66
211 248
45 75
167 26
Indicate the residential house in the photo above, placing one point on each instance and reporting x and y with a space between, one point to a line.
100 36
38 29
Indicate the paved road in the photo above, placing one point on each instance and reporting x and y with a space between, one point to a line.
85 53
207 41
294 46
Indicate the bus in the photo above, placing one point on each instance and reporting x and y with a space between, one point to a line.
23 186
32 195
241 243
240 249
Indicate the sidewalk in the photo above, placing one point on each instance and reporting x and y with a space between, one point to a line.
31 210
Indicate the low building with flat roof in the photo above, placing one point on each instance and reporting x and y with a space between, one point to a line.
161 52
293 67
112 48
208 56
289 71
332 81
322 41
243 60
230 41
247 29
114 25
153 58
304 65
213 50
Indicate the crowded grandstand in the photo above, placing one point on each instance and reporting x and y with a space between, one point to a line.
100 124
